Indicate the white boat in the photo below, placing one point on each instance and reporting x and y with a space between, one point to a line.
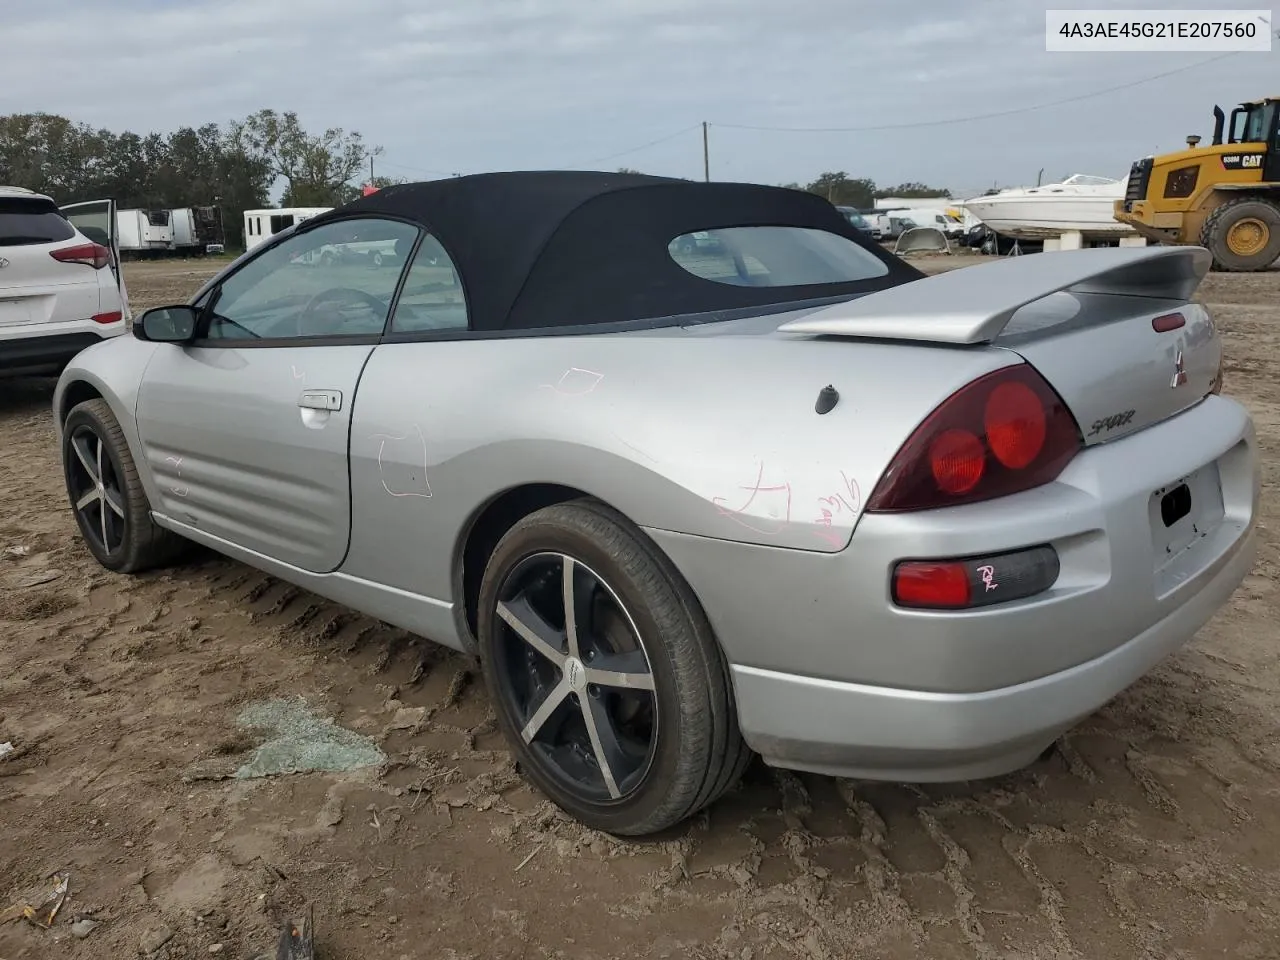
1081 203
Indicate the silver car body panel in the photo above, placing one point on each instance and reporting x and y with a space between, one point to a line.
238 444
705 435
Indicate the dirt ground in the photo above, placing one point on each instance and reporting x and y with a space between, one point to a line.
1152 832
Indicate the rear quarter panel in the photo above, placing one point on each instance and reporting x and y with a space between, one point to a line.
709 431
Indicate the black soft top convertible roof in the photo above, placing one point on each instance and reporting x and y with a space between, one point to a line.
550 248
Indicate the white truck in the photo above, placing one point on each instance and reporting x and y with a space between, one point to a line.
934 217
197 230
260 225
144 232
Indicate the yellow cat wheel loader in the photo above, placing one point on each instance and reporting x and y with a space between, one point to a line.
1224 196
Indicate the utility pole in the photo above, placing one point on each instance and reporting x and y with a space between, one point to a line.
371 169
706 155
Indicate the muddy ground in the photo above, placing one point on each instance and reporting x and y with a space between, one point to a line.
1153 831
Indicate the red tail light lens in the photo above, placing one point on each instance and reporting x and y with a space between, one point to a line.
957 459
939 585
113 316
90 254
1016 425
1003 433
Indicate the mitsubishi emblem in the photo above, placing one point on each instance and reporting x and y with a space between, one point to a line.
3 262
1179 372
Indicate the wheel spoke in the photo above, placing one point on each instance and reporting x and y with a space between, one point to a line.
604 742
86 461
103 513
546 708
604 676
100 476
578 587
113 501
532 629
87 499
626 671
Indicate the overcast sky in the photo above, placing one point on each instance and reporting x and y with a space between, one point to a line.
475 85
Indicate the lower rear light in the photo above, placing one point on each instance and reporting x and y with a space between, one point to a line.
963 584
931 585
1005 432
114 316
90 254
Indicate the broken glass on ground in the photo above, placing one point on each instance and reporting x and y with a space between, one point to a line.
304 742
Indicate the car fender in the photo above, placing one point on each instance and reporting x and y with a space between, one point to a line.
113 369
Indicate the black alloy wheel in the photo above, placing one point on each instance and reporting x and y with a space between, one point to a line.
93 482
571 662
605 674
106 494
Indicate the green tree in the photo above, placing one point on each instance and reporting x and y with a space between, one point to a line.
317 168
190 167
913 189
841 190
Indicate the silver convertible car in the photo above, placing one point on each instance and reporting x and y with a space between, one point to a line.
695 470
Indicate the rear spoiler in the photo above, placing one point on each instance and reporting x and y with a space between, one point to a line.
974 304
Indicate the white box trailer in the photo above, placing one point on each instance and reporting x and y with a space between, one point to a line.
184 228
144 231
260 225
197 230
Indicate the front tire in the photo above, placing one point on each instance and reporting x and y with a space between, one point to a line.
621 711
106 495
1243 234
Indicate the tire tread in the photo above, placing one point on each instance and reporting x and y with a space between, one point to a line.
1210 239
149 545
722 755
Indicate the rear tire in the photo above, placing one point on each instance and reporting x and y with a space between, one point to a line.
106 494
1243 234
655 687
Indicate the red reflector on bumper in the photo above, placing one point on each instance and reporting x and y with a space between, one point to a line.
937 585
113 317
971 582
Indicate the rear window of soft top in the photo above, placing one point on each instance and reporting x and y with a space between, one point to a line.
774 256
24 222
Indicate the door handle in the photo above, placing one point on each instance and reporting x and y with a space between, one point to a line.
320 400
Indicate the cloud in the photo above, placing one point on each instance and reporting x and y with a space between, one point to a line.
469 86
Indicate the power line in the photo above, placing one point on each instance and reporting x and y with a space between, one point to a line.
983 116
401 166
643 146
865 129
611 156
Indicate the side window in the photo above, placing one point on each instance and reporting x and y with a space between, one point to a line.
334 281
432 296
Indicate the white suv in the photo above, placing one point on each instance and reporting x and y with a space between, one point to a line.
61 287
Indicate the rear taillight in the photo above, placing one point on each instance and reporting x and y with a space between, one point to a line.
90 254
1005 432
113 316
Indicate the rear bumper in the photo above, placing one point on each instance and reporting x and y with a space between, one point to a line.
854 730
831 676
32 355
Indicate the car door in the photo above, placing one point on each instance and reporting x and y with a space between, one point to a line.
96 219
246 430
